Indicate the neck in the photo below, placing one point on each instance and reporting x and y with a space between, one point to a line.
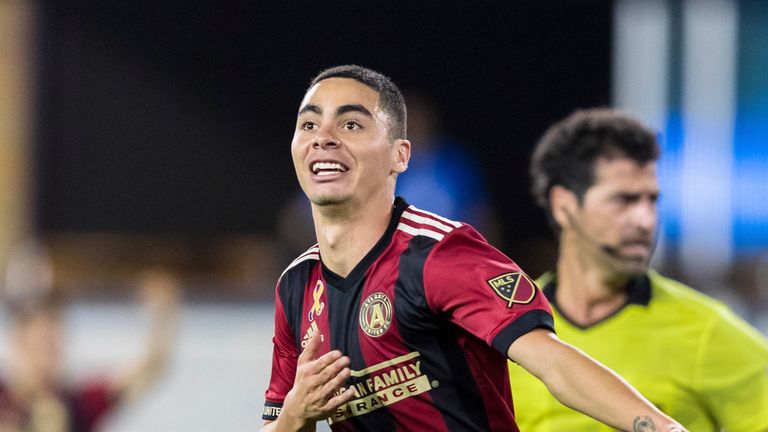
586 291
346 233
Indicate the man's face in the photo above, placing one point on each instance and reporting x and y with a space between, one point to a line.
617 218
340 149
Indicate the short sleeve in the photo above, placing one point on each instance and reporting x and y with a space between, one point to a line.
284 359
733 374
483 291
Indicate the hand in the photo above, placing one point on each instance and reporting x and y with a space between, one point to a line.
318 380
159 292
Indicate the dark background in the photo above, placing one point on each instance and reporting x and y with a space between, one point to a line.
175 117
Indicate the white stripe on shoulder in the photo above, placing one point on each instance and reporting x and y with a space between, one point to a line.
420 231
427 221
299 260
436 216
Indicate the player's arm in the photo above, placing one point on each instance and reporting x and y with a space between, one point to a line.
316 391
585 385
159 293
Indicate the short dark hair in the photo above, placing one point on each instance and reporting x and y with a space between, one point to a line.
390 98
567 152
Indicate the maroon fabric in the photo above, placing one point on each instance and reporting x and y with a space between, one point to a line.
87 404
91 403
12 414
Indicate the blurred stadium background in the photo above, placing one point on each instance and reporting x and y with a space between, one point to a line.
157 133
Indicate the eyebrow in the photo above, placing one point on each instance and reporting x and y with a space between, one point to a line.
310 107
353 108
341 110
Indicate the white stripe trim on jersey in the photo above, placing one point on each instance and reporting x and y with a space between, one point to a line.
420 231
436 216
299 260
427 221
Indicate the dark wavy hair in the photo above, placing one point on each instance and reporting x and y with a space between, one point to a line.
567 152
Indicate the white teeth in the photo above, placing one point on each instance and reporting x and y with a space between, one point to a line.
327 168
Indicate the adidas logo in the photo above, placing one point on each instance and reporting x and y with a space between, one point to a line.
310 331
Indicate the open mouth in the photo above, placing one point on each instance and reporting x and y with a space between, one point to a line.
328 168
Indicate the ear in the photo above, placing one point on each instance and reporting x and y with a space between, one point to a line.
402 154
563 203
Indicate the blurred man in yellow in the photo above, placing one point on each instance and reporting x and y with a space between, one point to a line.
594 173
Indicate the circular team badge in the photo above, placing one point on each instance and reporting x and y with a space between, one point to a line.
376 314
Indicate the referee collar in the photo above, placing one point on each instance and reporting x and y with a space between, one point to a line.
638 292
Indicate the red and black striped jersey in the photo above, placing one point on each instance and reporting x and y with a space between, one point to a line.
426 318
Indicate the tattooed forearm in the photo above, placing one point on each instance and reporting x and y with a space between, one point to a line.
643 424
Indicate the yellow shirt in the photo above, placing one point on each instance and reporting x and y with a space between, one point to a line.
687 353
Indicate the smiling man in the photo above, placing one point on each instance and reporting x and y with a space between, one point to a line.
399 319
595 175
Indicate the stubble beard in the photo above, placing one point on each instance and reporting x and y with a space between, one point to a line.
630 266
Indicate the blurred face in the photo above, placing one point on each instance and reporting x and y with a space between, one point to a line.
616 222
340 149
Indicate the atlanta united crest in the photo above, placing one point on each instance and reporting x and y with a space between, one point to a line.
376 314
513 287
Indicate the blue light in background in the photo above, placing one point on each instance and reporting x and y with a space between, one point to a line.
669 177
749 180
750 194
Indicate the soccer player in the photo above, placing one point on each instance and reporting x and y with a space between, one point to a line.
399 319
33 395
594 173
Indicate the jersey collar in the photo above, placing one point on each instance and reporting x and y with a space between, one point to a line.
638 292
357 273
